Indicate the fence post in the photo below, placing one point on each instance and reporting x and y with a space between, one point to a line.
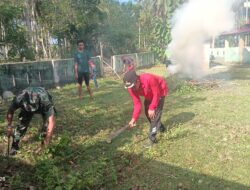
14 81
55 73
101 59
40 78
27 78
137 60
113 63
101 65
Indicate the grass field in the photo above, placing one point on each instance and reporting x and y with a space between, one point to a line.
207 145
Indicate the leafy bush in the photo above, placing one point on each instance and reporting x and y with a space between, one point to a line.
63 148
187 89
85 171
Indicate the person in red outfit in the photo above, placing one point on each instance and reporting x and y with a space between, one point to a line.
154 89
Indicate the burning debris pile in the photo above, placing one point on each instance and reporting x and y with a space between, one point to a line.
204 84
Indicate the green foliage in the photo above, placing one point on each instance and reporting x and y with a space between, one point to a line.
46 28
68 21
12 33
156 24
62 148
16 181
119 29
162 26
207 139
162 37
48 174
57 25
48 170
52 173
187 88
99 172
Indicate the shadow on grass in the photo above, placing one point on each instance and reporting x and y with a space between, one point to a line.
87 118
235 72
111 82
94 164
12 173
214 64
173 102
179 119
102 166
152 174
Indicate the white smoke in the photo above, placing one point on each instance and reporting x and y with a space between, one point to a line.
193 24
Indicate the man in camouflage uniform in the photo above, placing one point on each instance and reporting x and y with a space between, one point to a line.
32 100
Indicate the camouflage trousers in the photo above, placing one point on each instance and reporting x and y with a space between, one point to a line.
20 130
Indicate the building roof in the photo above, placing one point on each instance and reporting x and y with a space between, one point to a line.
243 30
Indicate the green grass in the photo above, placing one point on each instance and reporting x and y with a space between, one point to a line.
206 147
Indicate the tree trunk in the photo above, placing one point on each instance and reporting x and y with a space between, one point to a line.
43 42
48 44
139 35
5 46
31 24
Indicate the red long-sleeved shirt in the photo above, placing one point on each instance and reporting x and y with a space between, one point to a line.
152 87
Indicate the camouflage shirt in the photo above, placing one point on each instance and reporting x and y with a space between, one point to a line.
33 99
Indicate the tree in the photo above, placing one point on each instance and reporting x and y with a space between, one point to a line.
68 21
119 30
13 44
155 19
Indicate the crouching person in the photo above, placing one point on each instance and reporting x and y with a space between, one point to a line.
32 100
154 89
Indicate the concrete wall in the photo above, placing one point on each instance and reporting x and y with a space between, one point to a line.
141 60
246 55
231 55
16 76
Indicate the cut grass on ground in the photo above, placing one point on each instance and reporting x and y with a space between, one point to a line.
206 147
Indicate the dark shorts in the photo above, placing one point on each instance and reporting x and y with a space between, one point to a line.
83 76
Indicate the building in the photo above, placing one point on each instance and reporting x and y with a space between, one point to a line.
234 46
